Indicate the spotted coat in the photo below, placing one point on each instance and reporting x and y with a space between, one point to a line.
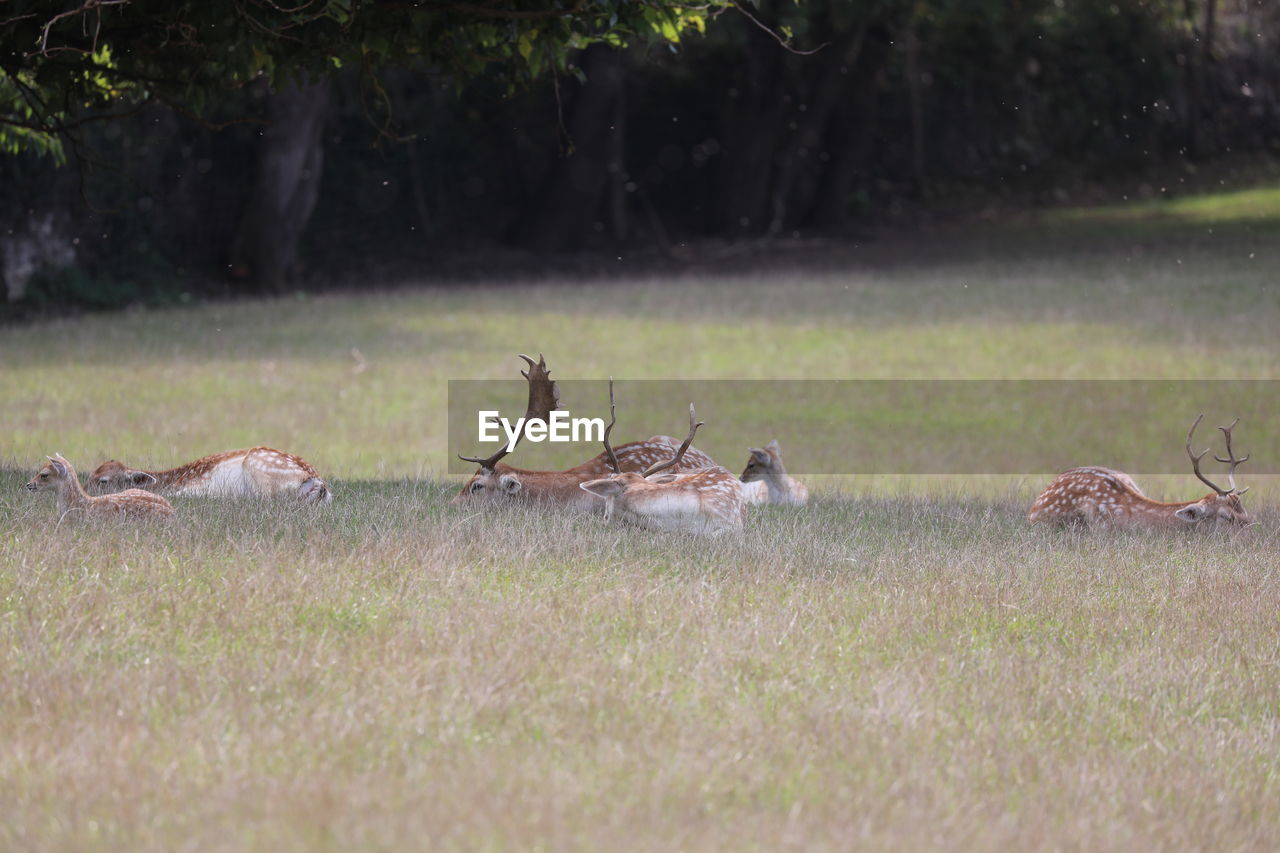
709 500
1103 496
255 472
75 502
505 482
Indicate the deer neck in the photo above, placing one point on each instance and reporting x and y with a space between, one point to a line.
777 481
71 495
169 479
560 487
1168 507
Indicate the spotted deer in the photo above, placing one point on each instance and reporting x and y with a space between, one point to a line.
767 481
74 500
255 472
1101 496
495 480
706 500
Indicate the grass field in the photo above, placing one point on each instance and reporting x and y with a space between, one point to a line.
900 665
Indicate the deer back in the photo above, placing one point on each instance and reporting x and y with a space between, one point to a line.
708 500
507 482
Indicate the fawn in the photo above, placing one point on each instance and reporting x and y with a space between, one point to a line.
131 503
769 481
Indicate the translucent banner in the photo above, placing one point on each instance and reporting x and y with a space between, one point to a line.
899 426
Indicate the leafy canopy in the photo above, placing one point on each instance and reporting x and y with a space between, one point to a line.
98 59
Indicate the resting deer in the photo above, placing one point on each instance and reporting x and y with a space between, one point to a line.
1103 496
131 503
708 500
768 481
495 480
256 472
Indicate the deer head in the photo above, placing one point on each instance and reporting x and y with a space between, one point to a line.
492 481
112 476
55 472
1224 505
763 461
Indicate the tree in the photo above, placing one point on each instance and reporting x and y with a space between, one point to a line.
101 59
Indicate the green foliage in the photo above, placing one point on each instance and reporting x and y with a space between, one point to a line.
64 69
148 280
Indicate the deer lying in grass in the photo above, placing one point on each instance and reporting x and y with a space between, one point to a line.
707 500
496 480
256 472
768 481
1099 496
72 498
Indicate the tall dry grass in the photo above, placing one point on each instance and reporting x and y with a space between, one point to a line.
391 672
902 664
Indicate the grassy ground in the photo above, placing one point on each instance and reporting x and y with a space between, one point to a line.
885 668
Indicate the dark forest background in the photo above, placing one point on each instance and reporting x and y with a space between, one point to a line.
894 112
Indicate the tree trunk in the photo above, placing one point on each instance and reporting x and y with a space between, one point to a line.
792 199
853 133
618 225
285 189
1198 59
915 95
752 132
566 211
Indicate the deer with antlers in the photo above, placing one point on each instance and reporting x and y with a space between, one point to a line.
767 480
1099 496
256 472
706 500
59 476
495 480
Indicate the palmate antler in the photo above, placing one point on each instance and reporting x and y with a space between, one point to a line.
1232 460
544 398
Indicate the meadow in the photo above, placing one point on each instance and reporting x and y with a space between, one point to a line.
902 664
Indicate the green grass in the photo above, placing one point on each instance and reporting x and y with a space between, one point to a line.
1258 205
903 664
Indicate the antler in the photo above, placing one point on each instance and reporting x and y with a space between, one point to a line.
1231 458
1195 460
694 423
544 397
613 419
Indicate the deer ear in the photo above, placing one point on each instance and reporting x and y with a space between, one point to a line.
760 456
510 484
1192 513
141 478
773 447
605 488
59 464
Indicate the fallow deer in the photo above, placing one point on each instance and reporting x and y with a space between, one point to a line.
768 481
495 480
707 500
255 472
1100 496
60 476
